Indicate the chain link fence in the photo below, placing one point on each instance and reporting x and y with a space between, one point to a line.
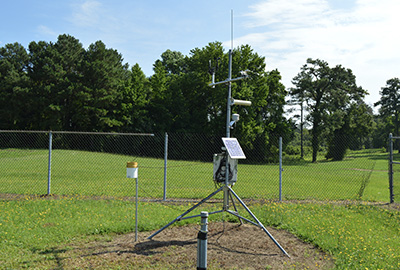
170 166
77 163
394 169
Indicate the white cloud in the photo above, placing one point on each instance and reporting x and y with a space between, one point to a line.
87 14
286 13
363 38
46 31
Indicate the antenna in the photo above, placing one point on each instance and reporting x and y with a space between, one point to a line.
231 101
231 29
225 164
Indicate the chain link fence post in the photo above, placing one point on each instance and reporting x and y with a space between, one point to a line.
165 165
391 167
49 166
280 169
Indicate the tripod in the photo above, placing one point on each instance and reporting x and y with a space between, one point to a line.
234 151
228 192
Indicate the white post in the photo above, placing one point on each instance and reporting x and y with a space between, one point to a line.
132 172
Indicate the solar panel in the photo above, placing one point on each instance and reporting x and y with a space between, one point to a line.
233 147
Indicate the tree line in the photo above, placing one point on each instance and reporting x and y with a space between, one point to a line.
337 113
63 86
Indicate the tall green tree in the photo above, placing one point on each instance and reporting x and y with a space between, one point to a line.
390 106
180 99
161 117
390 103
354 132
380 135
254 122
207 104
132 109
14 86
70 54
104 75
45 72
362 125
62 86
326 92
55 81
191 105
173 61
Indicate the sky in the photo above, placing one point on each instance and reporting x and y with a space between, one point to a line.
361 35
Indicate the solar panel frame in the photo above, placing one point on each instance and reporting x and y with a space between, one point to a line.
233 147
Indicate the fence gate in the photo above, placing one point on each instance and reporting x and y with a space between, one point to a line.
394 171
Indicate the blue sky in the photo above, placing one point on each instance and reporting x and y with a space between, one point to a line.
359 34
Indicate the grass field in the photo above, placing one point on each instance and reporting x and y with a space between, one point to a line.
362 175
35 232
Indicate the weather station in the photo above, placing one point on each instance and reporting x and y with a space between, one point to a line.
225 164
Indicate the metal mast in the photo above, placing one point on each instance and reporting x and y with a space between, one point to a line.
226 188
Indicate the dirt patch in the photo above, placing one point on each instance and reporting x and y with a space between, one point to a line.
230 246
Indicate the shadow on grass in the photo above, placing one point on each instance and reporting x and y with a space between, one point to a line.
150 247
51 254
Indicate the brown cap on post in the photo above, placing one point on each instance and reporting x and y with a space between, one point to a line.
131 164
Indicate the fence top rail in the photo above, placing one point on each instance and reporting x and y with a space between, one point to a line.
76 132
395 137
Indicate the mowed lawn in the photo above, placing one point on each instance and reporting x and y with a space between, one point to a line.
37 232
362 175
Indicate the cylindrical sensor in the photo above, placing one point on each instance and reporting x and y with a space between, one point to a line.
132 169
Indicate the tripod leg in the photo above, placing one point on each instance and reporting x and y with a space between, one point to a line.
184 214
259 223
234 206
